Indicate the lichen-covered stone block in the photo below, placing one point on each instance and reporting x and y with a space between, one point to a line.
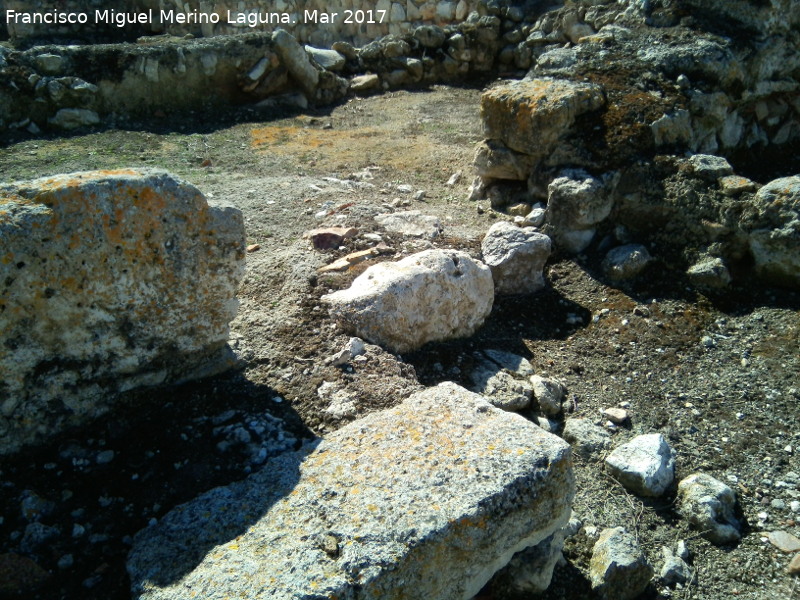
425 500
109 280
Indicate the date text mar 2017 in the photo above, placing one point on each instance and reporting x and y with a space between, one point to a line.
347 16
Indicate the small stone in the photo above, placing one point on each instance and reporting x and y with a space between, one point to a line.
105 457
711 273
253 247
616 415
784 541
549 393
708 505
454 178
365 83
794 566
587 439
675 570
420 195
20 576
354 347
734 185
34 507
626 262
709 167
795 505
66 562
645 465
618 569
329 237
682 550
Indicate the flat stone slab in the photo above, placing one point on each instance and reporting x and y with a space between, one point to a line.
425 500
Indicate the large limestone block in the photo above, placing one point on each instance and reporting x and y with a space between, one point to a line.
531 116
430 296
425 500
109 280
773 222
296 60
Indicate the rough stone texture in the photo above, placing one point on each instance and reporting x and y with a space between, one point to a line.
370 511
532 116
674 570
626 262
773 223
576 203
112 280
618 569
494 161
709 273
429 296
499 377
412 223
708 505
587 439
297 62
72 118
710 167
645 465
516 257
531 570
549 394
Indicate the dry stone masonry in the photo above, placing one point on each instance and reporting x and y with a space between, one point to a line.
370 512
111 281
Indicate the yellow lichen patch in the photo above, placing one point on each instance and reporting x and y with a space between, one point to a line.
358 147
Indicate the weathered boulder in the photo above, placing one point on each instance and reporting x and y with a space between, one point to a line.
531 116
645 465
430 296
72 118
370 511
709 505
618 569
772 221
327 59
111 280
516 256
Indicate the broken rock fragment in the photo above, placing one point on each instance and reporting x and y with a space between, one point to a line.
618 569
645 465
516 257
708 505
370 512
430 296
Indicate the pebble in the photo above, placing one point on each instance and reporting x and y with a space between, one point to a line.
66 562
254 247
616 415
795 505
784 541
794 566
454 178
105 457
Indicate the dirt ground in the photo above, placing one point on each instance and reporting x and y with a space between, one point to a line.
718 376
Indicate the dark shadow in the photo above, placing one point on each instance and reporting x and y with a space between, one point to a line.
162 448
545 315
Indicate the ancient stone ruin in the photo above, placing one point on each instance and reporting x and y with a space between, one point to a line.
358 387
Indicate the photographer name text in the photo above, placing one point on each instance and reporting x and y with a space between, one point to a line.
173 17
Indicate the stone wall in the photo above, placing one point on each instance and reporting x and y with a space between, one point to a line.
318 22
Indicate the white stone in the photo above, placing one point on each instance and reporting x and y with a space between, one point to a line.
72 118
516 257
645 465
370 511
549 393
708 505
433 295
